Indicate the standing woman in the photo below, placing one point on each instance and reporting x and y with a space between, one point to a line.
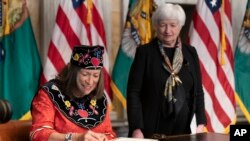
164 87
73 106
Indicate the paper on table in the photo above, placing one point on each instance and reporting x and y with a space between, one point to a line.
132 139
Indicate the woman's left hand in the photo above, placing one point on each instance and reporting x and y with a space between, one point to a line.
200 128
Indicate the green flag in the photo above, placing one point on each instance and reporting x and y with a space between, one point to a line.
137 31
20 64
242 66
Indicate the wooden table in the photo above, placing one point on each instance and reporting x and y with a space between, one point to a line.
199 137
15 130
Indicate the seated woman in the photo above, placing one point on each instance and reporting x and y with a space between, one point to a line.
73 106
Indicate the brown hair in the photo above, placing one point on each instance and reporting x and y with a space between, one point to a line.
66 81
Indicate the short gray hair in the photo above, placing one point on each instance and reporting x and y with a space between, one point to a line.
169 11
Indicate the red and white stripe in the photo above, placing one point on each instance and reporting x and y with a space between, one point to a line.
217 79
71 28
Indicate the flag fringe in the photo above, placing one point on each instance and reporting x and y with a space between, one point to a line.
243 107
26 116
117 93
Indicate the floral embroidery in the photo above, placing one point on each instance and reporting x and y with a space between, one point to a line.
93 102
87 112
93 106
54 87
82 113
71 111
67 103
76 57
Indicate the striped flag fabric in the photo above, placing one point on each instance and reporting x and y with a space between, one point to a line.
211 34
137 31
242 66
78 22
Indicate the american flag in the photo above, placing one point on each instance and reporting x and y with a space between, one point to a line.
78 22
211 34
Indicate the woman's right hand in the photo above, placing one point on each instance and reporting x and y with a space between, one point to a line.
92 136
137 133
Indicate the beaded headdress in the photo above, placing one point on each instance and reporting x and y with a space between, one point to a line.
89 57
